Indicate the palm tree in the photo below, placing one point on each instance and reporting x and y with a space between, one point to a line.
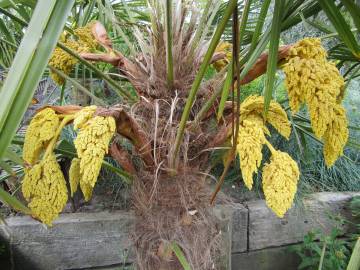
172 116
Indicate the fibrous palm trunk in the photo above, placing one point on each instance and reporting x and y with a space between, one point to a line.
174 210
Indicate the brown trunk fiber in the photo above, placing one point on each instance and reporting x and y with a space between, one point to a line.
175 210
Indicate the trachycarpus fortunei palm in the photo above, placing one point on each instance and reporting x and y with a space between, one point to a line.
173 128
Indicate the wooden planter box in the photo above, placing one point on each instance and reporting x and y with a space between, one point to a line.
256 238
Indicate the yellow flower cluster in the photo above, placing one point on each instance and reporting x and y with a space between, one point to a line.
226 48
91 145
86 37
277 117
279 179
40 131
312 79
44 187
250 143
309 48
252 131
65 62
336 136
74 175
83 116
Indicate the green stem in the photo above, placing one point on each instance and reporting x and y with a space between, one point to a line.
88 11
12 16
271 148
169 43
351 77
336 34
226 89
244 19
259 25
322 256
317 26
195 86
206 107
121 92
78 86
62 93
273 53
9 43
236 41
180 256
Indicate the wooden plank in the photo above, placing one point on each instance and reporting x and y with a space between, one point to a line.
77 240
84 240
236 216
267 230
224 217
278 258
239 228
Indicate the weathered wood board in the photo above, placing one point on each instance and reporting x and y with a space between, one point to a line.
84 240
279 258
239 228
317 211
76 240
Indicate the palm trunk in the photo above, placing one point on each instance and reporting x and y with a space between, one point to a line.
177 211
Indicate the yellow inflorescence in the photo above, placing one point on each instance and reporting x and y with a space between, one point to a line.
312 79
309 48
86 36
83 116
254 105
317 83
226 48
29 183
40 131
280 178
45 188
65 62
92 145
44 185
249 146
252 131
336 136
74 175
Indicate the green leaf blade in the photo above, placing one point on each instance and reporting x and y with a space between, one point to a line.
273 53
198 79
29 63
180 255
338 21
13 202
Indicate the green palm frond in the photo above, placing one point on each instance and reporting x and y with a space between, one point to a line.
34 51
